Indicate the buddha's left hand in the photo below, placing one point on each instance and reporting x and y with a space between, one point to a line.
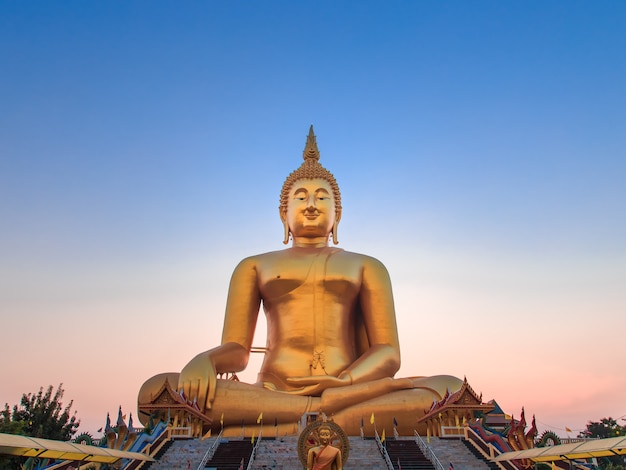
315 385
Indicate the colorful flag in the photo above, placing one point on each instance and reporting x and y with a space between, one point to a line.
362 433
399 466
372 418
395 421
241 464
568 429
260 418
275 422
451 466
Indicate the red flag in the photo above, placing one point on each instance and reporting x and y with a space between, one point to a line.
241 464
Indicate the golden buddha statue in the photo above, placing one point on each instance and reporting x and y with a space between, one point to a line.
332 340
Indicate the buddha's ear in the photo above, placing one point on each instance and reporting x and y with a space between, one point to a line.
283 217
335 224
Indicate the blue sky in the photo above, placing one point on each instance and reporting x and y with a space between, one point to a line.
480 149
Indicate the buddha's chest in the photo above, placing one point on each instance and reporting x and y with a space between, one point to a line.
328 277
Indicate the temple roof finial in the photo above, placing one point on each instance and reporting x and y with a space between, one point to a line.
310 149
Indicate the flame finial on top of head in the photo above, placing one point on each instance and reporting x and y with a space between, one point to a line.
310 149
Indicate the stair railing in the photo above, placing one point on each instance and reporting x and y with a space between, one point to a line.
161 436
383 451
488 450
254 449
428 452
208 455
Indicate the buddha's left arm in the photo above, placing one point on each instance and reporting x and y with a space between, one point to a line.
382 359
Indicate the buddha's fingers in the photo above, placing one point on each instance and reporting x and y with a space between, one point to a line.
210 386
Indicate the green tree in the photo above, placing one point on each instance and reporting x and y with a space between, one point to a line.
605 428
40 414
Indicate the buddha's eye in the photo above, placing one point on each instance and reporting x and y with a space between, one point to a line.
300 195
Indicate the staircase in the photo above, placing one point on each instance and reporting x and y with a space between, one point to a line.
180 454
158 456
282 454
364 455
408 454
478 455
279 454
456 452
229 454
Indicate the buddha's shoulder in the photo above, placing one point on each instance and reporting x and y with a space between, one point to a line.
334 253
360 258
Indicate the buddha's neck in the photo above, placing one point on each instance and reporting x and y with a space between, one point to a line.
306 242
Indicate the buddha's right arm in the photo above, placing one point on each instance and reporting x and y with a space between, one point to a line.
199 377
242 306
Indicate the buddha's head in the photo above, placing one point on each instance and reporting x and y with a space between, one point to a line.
314 187
324 432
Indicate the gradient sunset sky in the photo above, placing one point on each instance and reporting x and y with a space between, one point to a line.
480 148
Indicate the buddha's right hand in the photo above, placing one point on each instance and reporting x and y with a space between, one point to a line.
198 380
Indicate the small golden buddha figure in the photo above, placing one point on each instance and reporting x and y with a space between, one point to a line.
332 340
324 456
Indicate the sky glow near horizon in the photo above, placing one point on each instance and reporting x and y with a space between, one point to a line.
480 150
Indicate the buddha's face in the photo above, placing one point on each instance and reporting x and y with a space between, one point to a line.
324 434
311 209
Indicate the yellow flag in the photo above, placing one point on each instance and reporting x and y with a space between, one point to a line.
252 438
372 418
382 437
260 418
553 466
567 429
222 420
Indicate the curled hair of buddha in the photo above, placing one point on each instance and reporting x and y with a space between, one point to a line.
310 169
